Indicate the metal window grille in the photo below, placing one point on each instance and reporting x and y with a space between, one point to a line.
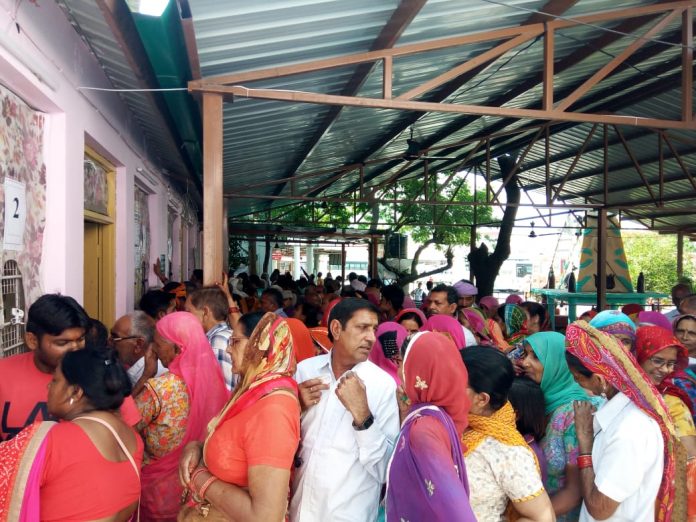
12 333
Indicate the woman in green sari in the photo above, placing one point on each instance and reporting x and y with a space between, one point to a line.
544 363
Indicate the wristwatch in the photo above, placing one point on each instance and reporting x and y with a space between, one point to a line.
365 424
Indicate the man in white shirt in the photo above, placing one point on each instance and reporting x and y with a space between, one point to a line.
627 457
350 423
131 336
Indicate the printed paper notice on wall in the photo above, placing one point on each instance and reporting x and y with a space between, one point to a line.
15 214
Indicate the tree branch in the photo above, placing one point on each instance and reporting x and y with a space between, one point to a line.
419 251
449 255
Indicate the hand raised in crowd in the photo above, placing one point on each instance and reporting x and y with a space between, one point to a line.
310 392
584 425
190 458
225 287
352 393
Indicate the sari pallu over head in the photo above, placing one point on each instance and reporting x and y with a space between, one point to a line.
450 328
197 365
420 314
557 383
651 340
603 354
477 323
270 363
515 318
388 340
614 322
418 485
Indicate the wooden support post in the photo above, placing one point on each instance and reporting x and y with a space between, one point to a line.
680 255
387 78
547 168
547 102
687 64
472 247
374 270
605 180
212 188
343 263
602 260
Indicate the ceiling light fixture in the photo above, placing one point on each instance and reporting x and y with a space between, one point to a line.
532 234
148 7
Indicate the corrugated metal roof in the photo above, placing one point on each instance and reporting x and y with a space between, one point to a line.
268 140
89 22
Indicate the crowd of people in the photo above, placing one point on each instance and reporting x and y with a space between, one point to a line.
270 399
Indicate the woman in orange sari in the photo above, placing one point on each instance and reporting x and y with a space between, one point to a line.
85 467
242 472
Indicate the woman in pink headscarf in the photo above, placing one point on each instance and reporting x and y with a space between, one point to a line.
450 327
176 408
473 320
412 319
385 351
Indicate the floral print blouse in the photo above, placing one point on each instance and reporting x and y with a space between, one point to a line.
499 473
164 406
560 447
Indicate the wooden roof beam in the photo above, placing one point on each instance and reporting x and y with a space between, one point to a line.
401 18
576 57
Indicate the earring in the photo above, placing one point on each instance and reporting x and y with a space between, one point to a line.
604 391
72 399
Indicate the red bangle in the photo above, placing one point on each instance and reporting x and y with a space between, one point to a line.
233 310
205 486
193 477
584 461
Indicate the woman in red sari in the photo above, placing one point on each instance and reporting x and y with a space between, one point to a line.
176 408
242 472
85 467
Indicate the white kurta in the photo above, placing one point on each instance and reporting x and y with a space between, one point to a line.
342 470
628 460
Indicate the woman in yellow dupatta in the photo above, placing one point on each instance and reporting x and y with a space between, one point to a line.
492 443
251 444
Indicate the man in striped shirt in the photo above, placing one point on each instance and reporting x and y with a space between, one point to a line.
209 305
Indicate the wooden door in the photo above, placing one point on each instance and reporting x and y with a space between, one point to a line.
94 270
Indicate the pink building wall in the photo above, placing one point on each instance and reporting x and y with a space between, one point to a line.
48 45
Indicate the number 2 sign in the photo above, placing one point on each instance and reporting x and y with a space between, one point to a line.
15 214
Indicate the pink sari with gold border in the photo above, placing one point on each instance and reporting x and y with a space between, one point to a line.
21 466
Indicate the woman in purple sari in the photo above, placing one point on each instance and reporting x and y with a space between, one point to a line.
427 475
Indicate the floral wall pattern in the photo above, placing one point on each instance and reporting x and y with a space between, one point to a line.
21 159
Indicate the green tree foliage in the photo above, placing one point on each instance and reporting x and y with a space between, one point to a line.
439 225
238 254
334 214
656 256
